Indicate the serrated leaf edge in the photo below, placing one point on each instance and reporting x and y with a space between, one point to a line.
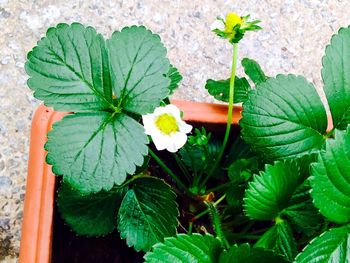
123 236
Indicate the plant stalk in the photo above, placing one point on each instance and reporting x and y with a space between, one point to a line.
127 182
329 134
221 187
203 213
215 217
182 167
190 227
229 113
168 171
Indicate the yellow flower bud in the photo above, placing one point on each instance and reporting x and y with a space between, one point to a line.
234 27
232 19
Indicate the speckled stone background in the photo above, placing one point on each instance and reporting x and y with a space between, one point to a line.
293 40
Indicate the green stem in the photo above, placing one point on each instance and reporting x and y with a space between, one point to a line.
329 134
247 227
190 227
192 162
221 187
168 171
220 200
205 166
203 213
182 167
127 182
197 178
229 113
116 188
259 231
215 217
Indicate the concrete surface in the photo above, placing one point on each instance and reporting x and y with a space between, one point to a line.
293 40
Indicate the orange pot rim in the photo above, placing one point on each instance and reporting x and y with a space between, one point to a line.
37 225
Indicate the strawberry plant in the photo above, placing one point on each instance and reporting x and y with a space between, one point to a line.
277 192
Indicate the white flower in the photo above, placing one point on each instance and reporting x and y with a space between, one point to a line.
167 129
218 24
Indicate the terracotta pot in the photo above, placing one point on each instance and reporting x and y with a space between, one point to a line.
37 223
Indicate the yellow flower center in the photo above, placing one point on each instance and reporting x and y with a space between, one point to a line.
167 124
232 20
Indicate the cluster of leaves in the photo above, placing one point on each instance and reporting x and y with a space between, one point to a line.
285 182
107 85
288 189
134 208
305 185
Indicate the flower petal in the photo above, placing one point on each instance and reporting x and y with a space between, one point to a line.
164 109
173 110
184 127
149 124
177 141
160 141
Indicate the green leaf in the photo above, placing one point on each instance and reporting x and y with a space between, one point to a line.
280 239
96 150
148 213
234 195
270 192
183 248
72 69
331 246
336 77
139 67
90 215
196 248
69 69
254 71
283 118
175 78
239 150
330 179
192 156
242 169
301 211
199 157
220 89
245 254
